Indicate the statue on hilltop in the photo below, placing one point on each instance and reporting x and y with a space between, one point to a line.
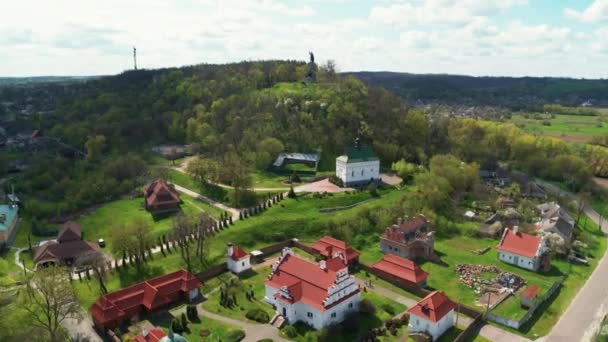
311 75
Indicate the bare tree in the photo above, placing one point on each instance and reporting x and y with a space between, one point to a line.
51 300
183 229
204 229
100 268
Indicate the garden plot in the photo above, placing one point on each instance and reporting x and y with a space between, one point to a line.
490 283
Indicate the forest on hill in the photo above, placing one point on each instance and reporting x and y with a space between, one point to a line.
241 115
516 93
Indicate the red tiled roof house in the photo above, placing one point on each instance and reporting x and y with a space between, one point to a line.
328 248
152 335
68 249
432 315
237 259
410 239
160 197
151 295
401 270
523 250
316 294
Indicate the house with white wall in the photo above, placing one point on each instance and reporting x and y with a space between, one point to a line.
432 315
359 165
237 259
523 250
316 294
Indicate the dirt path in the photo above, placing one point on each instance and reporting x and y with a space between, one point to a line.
235 212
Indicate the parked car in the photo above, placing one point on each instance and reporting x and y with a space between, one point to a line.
101 243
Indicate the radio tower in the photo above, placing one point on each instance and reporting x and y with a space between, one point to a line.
135 57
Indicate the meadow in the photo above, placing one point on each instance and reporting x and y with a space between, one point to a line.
575 128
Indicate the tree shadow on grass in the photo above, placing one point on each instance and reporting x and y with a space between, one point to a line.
250 273
539 312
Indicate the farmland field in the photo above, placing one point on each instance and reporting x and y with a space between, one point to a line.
575 128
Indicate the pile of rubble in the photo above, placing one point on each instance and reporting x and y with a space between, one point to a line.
469 274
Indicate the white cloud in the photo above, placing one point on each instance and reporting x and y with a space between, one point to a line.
596 12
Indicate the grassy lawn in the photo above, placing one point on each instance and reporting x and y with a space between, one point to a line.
511 307
572 125
216 331
298 167
98 225
253 280
265 179
363 323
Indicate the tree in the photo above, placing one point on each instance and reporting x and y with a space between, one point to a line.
51 300
132 240
204 228
95 146
267 150
237 173
404 170
203 170
99 266
584 198
183 228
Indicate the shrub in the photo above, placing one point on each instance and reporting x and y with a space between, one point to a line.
373 190
335 180
258 315
290 331
266 340
367 307
291 194
295 178
388 309
184 322
235 336
176 327
192 313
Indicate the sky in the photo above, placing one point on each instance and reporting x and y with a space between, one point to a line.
566 38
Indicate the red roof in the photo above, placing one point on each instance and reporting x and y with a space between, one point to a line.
238 253
397 232
160 193
154 335
401 268
70 231
150 295
306 281
328 247
519 243
433 307
531 291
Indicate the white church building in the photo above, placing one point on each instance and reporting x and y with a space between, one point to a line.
432 315
358 165
316 294
237 259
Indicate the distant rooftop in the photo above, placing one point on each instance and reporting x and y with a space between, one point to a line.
7 214
297 157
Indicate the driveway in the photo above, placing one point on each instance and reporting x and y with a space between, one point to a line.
324 185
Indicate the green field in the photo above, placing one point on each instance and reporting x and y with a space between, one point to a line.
562 125
265 179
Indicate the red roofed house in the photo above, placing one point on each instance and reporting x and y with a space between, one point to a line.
409 239
237 259
530 296
316 294
432 315
68 249
403 270
151 295
152 335
161 197
523 250
328 247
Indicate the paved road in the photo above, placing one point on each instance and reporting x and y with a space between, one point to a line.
583 317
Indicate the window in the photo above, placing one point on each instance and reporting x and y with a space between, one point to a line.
333 315
352 174
361 172
350 305
243 264
309 314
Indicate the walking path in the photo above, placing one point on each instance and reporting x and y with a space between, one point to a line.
235 212
253 332
584 315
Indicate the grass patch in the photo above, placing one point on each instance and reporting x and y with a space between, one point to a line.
265 179
253 280
573 125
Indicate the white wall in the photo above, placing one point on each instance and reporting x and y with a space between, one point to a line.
357 172
238 266
192 294
435 329
320 319
522 262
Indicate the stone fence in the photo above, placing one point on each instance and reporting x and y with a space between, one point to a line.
516 324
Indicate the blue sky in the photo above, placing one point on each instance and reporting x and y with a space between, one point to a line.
476 37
